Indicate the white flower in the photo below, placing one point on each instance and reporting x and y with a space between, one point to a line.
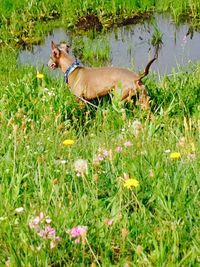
61 161
136 126
81 166
19 210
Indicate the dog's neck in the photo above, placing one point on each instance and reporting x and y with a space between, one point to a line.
65 62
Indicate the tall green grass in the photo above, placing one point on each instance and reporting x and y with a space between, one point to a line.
154 224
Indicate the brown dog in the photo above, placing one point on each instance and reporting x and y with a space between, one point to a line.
90 83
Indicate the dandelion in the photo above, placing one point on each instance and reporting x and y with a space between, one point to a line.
81 166
39 75
19 210
175 155
136 126
131 183
68 142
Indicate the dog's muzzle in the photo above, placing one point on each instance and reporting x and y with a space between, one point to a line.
51 64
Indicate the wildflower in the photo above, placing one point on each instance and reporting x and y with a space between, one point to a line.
39 75
48 220
68 142
98 158
167 151
139 250
78 231
19 210
192 156
81 166
109 222
105 153
151 173
128 144
175 155
136 126
119 149
60 161
77 240
36 221
48 232
131 183
41 225
54 242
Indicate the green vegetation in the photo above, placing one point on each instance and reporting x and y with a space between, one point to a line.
26 22
153 224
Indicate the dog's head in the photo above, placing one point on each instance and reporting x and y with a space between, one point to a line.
57 51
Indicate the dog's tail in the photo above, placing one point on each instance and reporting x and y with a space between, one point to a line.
146 71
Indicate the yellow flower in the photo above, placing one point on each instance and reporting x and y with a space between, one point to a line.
131 183
39 75
175 155
68 142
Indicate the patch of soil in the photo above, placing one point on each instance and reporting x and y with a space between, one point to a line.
134 19
92 21
88 22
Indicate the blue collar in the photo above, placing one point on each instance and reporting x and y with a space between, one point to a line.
71 68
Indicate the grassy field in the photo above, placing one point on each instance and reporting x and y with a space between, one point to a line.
116 186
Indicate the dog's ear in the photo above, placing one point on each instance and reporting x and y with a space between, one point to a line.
56 53
55 50
53 45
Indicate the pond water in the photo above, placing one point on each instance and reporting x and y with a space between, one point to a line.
130 46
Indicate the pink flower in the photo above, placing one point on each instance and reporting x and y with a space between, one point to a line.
105 153
119 149
78 231
77 240
36 221
109 222
48 232
127 144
